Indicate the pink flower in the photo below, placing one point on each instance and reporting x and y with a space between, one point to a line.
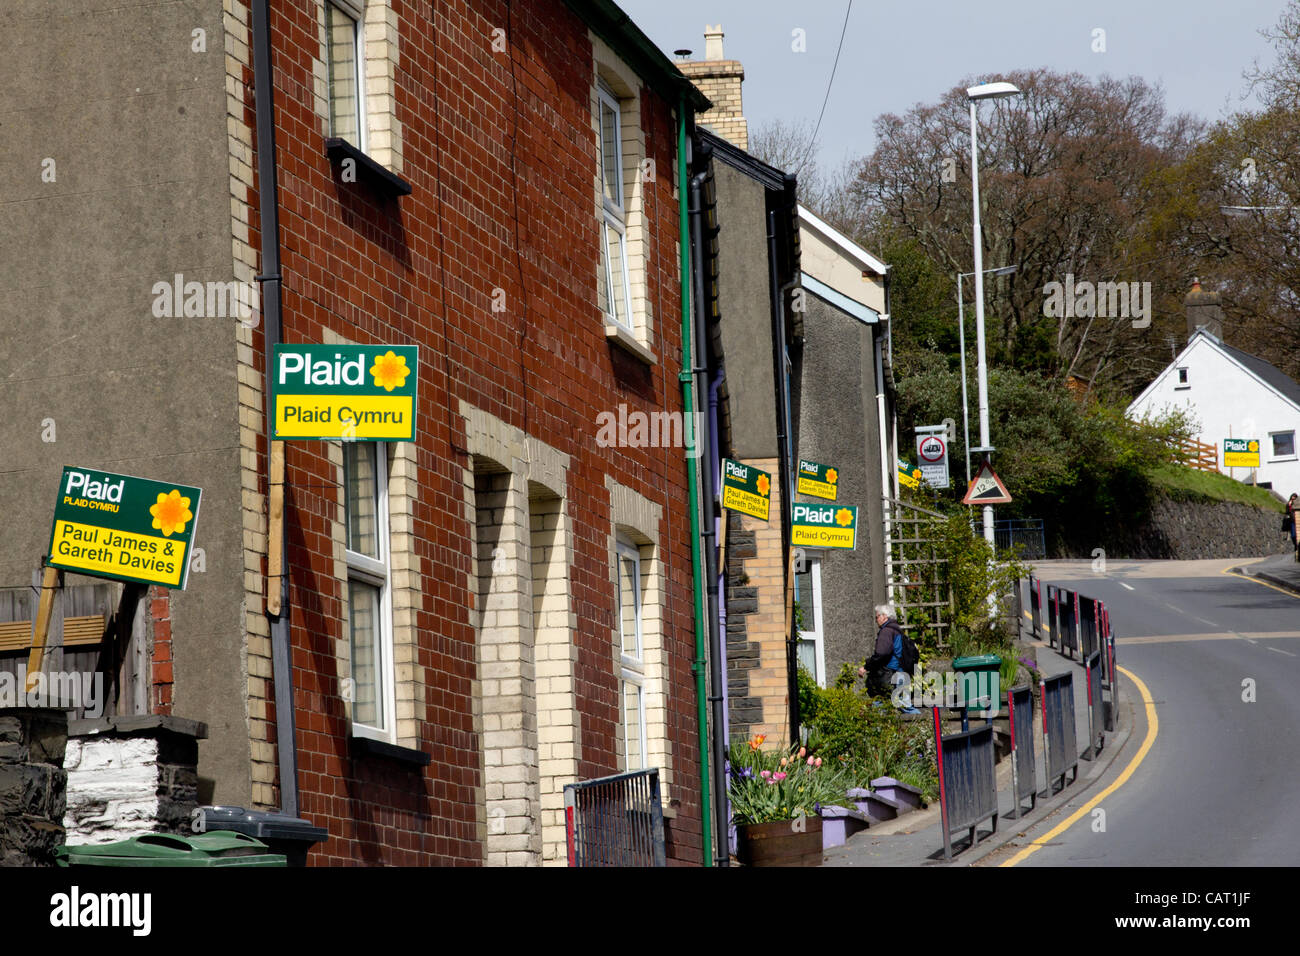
765 774
803 751
818 762
810 759
778 776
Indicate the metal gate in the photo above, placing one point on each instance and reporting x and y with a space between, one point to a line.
615 821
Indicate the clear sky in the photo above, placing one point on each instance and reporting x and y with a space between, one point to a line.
901 53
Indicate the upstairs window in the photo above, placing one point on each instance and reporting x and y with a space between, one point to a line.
615 285
1182 379
345 56
1283 444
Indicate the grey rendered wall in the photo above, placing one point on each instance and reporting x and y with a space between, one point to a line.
747 312
838 426
136 125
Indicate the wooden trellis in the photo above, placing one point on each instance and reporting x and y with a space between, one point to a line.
919 583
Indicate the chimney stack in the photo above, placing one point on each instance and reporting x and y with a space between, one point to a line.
719 79
1203 311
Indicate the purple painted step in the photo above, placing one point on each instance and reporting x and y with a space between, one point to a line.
840 823
877 807
901 793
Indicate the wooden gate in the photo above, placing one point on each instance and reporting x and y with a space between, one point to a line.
79 640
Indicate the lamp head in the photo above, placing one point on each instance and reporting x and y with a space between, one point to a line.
988 91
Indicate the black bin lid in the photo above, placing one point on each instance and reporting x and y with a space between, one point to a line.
262 824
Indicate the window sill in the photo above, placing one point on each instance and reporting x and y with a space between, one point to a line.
615 334
383 180
1275 461
1181 388
367 747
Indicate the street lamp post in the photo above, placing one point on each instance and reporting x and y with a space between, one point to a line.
961 334
984 91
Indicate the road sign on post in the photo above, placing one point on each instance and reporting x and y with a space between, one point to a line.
124 528
986 488
932 452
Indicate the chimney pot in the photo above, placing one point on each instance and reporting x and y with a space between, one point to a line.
713 42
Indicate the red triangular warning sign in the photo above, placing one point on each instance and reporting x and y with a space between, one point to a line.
986 488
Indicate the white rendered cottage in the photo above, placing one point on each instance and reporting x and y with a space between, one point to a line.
1232 394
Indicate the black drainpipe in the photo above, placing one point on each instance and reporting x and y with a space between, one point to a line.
268 201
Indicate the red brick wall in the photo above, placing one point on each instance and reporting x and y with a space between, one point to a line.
160 623
502 167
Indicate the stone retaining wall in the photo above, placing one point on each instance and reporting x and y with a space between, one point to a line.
32 785
1188 530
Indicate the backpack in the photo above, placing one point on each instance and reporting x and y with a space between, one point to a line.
909 656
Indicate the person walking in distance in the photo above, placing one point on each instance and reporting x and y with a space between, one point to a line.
893 657
1288 524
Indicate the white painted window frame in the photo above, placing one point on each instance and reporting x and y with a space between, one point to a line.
376 573
1179 382
633 666
816 634
1274 456
614 214
356 11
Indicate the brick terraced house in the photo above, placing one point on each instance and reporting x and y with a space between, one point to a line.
473 618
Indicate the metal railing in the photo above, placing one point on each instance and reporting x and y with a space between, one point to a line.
1027 533
1060 750
968 789
1020 719
615 821
1096 730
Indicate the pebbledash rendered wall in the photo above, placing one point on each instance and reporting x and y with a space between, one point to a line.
508 679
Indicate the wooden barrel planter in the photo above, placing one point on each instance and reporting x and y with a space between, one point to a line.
780 844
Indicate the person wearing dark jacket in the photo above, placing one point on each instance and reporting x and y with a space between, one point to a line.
883 669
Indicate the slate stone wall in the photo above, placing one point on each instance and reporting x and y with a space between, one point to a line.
33 785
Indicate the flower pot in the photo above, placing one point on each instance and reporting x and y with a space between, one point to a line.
781 843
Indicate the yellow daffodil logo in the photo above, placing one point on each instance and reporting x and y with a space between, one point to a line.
171 513
390 371
1253 446
763 485
844 517
832 476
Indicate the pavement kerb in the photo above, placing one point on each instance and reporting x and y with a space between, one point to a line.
1283 583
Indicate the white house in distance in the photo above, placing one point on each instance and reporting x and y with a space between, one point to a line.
1232 394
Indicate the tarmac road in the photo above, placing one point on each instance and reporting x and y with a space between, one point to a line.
1220 784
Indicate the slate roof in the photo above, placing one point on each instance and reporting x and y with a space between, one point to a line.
1274 377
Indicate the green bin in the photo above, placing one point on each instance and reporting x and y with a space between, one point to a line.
219 848
984 668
